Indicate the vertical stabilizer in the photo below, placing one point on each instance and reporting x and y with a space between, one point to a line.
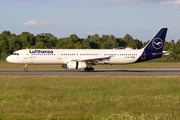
154 49
157 43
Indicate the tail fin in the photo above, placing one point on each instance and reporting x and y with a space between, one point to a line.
157 43
154 49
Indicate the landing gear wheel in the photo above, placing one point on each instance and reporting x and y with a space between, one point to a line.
89 69
25 69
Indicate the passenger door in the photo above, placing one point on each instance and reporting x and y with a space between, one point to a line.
25 54
59 56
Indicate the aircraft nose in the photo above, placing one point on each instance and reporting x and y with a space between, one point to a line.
9 59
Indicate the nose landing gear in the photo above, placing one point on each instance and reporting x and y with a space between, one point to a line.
25 69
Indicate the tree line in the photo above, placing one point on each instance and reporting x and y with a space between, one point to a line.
11 42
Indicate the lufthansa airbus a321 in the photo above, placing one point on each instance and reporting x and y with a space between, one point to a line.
86 58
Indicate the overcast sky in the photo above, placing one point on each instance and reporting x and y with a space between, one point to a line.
139 18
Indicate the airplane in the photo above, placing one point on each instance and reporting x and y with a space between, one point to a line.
86 58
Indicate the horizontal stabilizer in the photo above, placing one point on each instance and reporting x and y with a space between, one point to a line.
164 53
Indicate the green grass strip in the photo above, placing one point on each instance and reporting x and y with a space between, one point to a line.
88 97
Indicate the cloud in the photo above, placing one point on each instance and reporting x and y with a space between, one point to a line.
3 22
114 27
91 33
40 23
30 23
96 26
172 2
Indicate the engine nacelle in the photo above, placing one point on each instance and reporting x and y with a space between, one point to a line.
76 65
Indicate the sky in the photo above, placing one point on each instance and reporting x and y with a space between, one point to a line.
140 18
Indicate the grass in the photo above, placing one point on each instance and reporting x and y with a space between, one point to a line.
89 97
5 65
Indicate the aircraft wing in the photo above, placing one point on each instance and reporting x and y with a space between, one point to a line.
92 60
101 58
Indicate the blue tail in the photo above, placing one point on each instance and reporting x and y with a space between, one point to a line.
155 47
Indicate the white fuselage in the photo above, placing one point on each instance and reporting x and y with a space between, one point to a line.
62 56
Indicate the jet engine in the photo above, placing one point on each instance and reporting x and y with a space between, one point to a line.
76 65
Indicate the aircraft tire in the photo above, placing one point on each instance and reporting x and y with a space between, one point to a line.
25 69
89 69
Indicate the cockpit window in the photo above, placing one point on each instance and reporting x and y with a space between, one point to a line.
15 54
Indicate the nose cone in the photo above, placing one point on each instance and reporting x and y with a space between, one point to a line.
9 59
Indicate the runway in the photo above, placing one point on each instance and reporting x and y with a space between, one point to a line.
120 72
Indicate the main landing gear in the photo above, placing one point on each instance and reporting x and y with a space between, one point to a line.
89 69
25 69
